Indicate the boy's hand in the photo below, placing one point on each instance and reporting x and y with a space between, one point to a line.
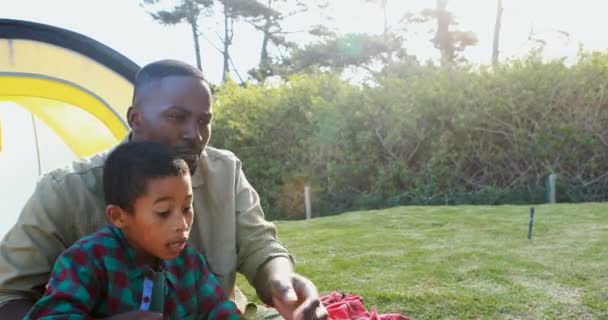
296 298
137 315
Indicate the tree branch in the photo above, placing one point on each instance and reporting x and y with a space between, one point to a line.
379 136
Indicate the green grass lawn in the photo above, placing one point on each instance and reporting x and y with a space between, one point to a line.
464 262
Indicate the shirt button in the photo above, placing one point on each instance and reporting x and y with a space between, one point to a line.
149 273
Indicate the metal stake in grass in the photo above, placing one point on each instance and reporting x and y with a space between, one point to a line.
307 201
530 223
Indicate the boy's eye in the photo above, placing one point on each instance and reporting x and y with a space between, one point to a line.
163 214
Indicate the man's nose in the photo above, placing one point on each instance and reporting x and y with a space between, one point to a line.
191 131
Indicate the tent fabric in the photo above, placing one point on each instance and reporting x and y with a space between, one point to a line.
69 40
78 87
82 121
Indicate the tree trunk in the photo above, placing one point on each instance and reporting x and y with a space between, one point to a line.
197 48
384 4
227 39
264 57
443 40
495 46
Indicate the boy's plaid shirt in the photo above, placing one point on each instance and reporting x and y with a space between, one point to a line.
102 275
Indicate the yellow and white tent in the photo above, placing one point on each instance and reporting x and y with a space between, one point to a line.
62 96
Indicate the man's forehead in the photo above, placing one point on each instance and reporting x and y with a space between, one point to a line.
184 109
176 84
182 79
173 87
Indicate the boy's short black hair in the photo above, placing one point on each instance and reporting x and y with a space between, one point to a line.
130 167
161 69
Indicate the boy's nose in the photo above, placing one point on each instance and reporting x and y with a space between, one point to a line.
182 223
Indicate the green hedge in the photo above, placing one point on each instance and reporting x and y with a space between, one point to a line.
422 135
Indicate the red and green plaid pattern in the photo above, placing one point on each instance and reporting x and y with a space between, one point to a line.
102 275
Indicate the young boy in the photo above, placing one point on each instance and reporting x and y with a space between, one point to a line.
141 260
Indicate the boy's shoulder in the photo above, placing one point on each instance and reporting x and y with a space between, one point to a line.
96 246
188 260
189 257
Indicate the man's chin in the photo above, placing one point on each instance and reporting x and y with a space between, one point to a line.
192 166
191 160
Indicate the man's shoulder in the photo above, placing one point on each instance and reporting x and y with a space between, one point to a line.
215 154
83 168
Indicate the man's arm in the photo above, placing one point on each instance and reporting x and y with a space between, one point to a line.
268 264
257 239
294 296
30 248
15 309
267 275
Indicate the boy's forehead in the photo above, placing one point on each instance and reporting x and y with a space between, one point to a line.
168 185
163 189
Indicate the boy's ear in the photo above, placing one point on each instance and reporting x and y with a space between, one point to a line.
116 215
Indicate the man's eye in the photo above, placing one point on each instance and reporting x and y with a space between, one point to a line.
188 209
163 214
176 117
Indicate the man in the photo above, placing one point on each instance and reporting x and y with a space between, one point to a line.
171 105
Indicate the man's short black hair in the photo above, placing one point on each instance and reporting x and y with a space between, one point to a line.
161 69
132 165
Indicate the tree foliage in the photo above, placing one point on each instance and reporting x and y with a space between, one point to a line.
270 24
189 11
233 10
412 133
450 43
337 52
422 134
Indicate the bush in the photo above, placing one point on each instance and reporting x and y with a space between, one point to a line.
422 135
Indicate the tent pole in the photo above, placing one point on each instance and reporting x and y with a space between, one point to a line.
36 140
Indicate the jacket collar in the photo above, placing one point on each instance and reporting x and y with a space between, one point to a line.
198 178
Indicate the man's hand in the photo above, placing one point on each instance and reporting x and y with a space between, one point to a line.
137 315
296 298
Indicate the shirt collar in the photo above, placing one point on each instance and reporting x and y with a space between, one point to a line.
198 178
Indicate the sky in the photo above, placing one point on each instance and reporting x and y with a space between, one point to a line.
126 27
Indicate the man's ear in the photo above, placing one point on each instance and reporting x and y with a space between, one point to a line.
116 215
133 117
